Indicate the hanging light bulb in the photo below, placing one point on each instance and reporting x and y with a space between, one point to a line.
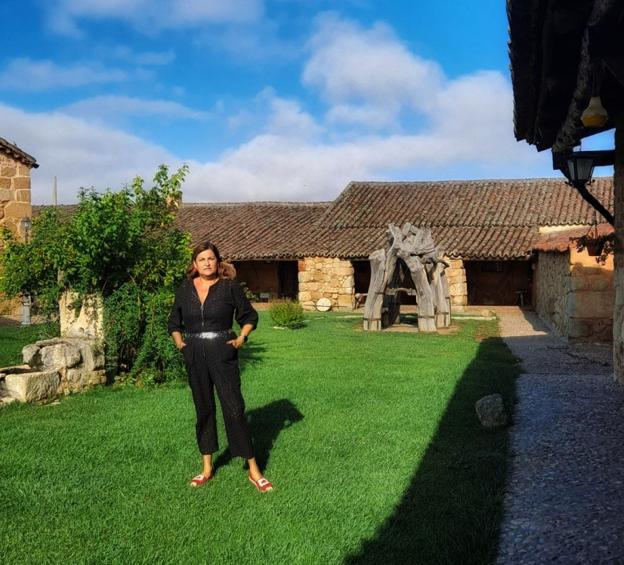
595 115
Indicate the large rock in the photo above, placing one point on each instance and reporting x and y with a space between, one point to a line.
31 387
60 355
491 411
79 379
32 355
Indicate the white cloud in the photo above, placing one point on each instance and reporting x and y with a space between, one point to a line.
114 108
151 16
368 73
465 124
470 129
78 153
25 74
287 119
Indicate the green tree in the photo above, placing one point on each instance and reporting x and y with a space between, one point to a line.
121 245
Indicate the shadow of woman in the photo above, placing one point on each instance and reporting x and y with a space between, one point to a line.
266 424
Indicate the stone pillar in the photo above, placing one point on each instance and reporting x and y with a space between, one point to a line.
326 277
618 313
456 275
86 323
14 192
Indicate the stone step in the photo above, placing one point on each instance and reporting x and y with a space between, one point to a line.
25 385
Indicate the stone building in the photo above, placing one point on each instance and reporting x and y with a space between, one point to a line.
488 230
309 251
574 292
566 60
15 202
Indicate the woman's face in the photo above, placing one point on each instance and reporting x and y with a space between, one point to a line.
206 263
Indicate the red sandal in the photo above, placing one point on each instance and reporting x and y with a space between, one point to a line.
262 484
199 480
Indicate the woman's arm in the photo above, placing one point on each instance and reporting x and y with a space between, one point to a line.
177 339
240 340
175 324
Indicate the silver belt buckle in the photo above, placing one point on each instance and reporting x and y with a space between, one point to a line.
210 335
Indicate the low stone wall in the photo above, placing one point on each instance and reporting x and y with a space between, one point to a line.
458 287
326 277
575 295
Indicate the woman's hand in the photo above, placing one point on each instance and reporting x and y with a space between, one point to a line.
181 345
238 342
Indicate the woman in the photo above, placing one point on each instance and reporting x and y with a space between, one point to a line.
204 307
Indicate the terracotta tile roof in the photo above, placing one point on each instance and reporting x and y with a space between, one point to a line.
526 202
562 240
481 219
485 219
253 230
16 153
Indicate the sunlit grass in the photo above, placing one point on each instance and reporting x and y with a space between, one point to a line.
370 439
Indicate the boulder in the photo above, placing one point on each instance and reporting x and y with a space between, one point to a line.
491 411
31 354
31 387
60 355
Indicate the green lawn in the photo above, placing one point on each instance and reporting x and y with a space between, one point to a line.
370 439
14 337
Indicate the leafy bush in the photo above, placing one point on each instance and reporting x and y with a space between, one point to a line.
287 314
122 246
157 360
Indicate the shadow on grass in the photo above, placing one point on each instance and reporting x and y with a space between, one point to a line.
452 508
266 424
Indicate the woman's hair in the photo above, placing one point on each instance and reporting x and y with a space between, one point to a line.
224 270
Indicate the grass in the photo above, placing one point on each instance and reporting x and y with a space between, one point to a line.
370 439
14 337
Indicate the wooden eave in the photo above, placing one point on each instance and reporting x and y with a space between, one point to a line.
18 154
552 45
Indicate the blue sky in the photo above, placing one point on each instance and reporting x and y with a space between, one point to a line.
265 99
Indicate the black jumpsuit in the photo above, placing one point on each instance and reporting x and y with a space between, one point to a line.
214 363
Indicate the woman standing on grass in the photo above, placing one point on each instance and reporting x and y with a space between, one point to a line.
204 307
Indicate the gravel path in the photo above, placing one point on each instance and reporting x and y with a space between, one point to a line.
565 494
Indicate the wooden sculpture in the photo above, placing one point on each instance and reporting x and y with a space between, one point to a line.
410 251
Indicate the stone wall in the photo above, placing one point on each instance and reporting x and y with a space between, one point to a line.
456 275
326 277
551 289
14 205
575 295
591 298
14 192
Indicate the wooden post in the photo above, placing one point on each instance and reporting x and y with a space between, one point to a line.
618 311
439 298
416 249
424 297
447 299
374 298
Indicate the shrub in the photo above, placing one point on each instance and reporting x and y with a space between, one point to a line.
123 246
287 313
